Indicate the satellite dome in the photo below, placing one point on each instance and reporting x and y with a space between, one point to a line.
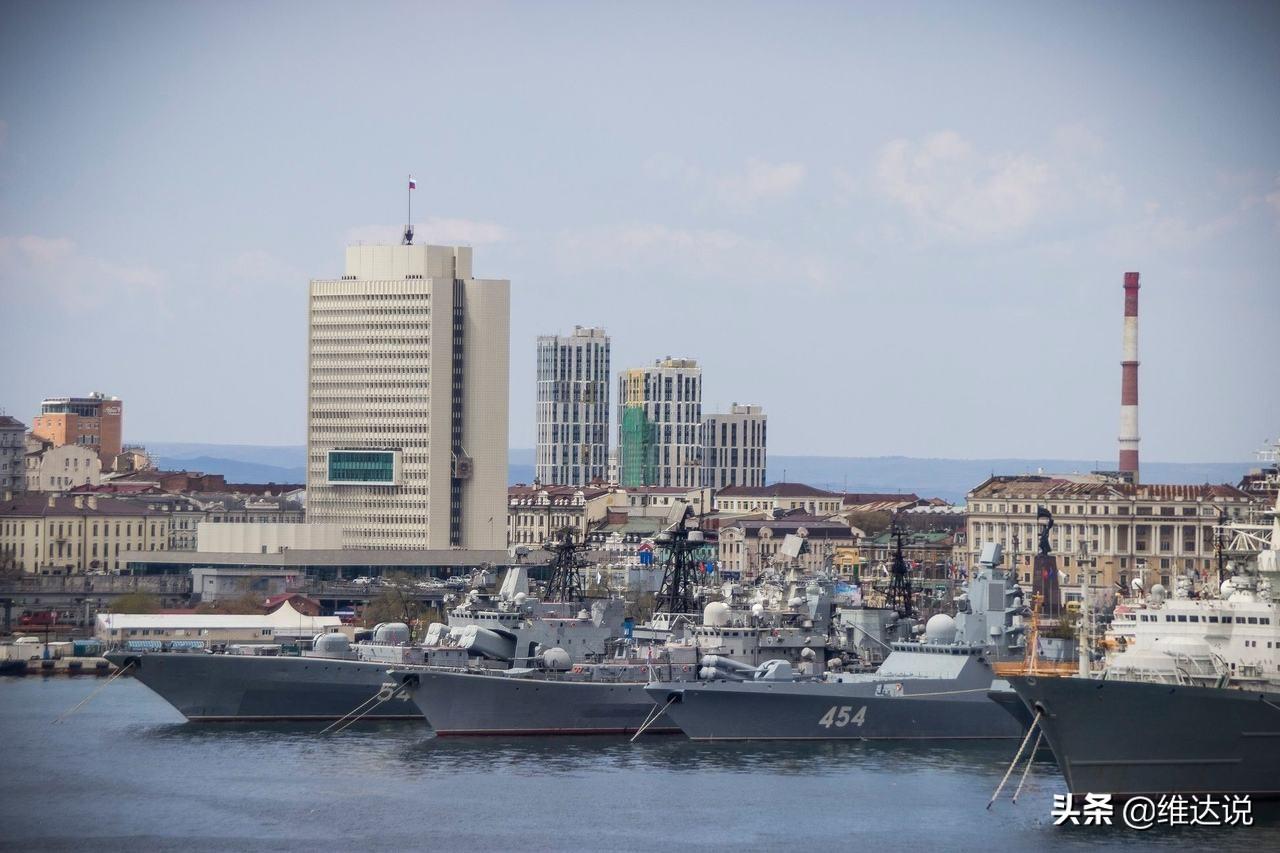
521 597
808 654
556 659
757 609
716 614
332 644
940 628
795 601
391 633
1227 588
1136 583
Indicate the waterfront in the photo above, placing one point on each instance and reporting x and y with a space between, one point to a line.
127 773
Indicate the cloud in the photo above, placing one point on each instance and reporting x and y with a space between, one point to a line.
759 181
56 266
702 253
740 191
955 192
436 230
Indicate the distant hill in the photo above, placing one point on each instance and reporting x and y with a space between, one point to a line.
949 479
235 470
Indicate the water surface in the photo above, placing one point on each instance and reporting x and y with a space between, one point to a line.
127 773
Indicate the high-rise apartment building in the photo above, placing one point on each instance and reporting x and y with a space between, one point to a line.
96 422
408 359
660 424
573 408
734 447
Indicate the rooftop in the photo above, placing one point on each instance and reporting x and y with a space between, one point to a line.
1079 486
40 505
775 490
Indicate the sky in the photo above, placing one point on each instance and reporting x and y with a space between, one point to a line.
901 228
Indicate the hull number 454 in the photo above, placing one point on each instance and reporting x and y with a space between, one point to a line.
842 716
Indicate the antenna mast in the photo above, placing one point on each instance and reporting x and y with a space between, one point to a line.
407 240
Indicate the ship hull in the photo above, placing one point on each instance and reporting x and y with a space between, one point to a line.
209 688
825 711
466 704
1134 738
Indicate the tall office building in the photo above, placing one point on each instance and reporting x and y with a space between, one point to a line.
734 447
660 424
95 422
573 408
408 359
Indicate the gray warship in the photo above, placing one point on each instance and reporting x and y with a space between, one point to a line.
607 695
1192 703
337 676
936 687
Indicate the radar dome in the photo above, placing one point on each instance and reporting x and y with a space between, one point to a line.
332 644
757 609
391 633
1136 583
808 654
1227 588
715 614
521 597
940 628
556 659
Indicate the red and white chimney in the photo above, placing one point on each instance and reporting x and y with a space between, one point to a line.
1129 380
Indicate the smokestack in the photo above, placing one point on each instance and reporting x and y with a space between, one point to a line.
1129 380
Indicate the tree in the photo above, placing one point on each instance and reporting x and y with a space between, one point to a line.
136 602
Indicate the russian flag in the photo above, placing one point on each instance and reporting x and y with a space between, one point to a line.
413 185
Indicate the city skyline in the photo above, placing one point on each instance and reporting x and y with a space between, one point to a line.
919 256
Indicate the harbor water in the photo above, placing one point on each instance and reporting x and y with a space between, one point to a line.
127 773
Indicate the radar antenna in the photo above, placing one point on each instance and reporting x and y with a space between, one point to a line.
898 596
680 571
564 580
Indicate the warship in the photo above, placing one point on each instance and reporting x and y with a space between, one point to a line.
338 676
1191 702
608 695
935 687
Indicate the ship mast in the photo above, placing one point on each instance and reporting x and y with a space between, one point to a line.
680 572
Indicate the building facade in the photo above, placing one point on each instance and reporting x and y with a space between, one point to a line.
536 513
1106 531
13 451
96 422
750 546
51 468
573 408
734 447
48 534
660 424
407 413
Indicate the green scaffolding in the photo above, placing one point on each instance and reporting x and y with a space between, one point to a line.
636 462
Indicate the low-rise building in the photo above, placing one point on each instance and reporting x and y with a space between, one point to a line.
750 546
659 500
154 629
928 552
1106 531
50 534
778 497
60 468
267 538
535 513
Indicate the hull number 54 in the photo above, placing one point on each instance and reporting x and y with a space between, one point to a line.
841 716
